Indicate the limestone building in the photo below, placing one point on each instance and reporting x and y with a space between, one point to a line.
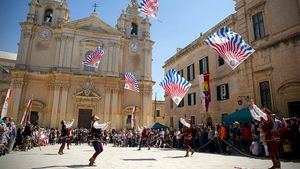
270 76
49 67
7 62
158 107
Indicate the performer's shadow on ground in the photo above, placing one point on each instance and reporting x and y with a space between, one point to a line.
175 157
68 166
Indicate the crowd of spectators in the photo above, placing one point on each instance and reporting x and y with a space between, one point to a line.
23 137
218 138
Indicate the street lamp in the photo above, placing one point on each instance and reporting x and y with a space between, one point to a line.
241 99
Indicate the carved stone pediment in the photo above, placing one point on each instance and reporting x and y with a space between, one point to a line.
87 91
93 24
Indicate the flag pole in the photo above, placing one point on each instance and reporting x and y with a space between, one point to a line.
154 109
30 109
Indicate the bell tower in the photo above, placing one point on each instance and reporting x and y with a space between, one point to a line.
48 12
136 31
37 30
132 24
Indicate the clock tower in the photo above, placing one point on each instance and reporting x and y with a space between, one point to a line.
43 18
136 31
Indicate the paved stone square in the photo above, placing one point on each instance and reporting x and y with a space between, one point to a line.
129 158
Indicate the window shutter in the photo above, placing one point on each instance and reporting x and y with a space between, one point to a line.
227 91
193 67
201 66
194 98
218 92
207 64
188 73
189 99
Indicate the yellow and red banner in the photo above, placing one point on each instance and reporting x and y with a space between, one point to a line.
204 90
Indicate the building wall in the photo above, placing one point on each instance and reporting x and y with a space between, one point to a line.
276 60
159 105
49 67
7 62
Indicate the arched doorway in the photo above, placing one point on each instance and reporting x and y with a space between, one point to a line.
36 115
129 117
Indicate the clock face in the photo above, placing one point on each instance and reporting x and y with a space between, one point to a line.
45 34
134 46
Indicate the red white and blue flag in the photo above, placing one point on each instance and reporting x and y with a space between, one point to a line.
175 86
230 46
149 8
94 58
131 82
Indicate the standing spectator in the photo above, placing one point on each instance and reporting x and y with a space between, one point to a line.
178 137
27 133
236 135
12 135
247 136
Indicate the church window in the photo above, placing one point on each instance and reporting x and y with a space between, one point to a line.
265 94
134 29
258 26
48 15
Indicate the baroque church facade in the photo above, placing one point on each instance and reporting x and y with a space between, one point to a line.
49 67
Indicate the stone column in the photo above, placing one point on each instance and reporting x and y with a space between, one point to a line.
117 57
62 50
55 105
110 57
17 93
68 57
63 103
24 47
104 65
114 110
58 46
147 108
107 104
146 68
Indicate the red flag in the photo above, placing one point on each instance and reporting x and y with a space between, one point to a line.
26 112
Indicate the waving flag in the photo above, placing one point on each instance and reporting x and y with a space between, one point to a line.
26 112
205 90
149 8
175 86
93 59
131 82
5 105
230 46
186 124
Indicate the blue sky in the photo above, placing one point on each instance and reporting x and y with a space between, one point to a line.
182 22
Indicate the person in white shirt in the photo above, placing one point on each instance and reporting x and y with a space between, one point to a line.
97 140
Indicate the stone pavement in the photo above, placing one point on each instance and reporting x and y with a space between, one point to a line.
129 158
